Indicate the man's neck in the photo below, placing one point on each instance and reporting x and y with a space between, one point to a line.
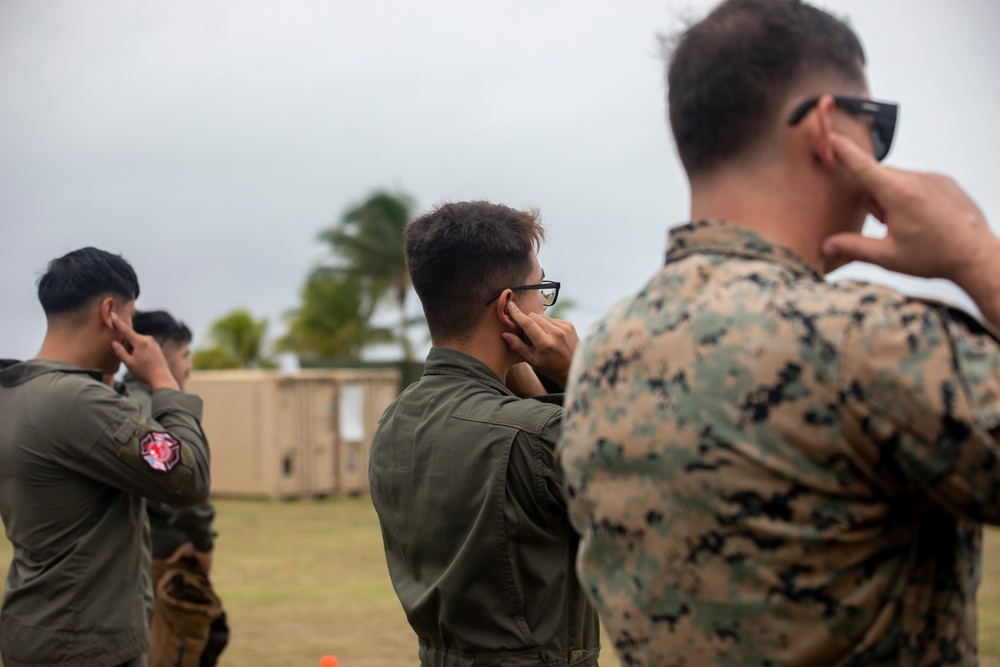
777 207
495 356
72 349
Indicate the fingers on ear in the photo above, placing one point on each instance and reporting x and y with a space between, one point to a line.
107 308
815 130
501 306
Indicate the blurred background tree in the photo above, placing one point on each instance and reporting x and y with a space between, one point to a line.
334 320
236 340
367 247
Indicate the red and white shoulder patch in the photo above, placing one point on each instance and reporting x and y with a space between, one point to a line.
160 450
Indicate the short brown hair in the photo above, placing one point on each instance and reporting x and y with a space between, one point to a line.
461 254
729 73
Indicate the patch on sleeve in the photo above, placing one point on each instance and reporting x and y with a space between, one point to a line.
160 450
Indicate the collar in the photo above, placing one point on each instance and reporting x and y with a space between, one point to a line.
17 372
445 361
721 237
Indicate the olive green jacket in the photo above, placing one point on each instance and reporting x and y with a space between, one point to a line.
76 459
169 526
478 544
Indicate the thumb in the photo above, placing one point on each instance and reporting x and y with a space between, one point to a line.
855 247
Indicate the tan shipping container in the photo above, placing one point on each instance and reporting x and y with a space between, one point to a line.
302 434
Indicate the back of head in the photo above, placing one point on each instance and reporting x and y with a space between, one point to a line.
729 74
76 279
461 254
162 326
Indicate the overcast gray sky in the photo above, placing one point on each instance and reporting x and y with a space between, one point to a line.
209 141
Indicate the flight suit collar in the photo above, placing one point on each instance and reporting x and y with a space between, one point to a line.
718 236
13 372
445 361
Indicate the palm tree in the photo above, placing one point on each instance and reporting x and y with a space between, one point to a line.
237 342
369 239
333 321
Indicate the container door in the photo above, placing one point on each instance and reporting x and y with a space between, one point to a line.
288 440
321 435
232 423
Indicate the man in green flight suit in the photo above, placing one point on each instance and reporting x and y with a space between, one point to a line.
76 460
189 626
462 471
768 468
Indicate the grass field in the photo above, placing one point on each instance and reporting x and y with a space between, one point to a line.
304 579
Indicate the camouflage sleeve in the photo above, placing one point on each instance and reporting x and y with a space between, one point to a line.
921 388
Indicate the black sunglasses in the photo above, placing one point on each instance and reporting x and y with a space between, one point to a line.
549 289
885 114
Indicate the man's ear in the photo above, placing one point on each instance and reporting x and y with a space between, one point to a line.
821 127
107 306
500 309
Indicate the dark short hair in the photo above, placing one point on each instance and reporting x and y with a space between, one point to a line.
72 281
729 73
461 254
162 326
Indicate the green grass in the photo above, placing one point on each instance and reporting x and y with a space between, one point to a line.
304 579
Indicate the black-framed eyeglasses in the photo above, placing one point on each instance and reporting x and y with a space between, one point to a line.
549 289
885 114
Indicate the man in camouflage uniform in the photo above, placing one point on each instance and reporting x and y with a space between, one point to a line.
767 468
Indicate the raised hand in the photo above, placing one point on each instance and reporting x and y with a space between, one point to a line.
551 343
934 230
142 356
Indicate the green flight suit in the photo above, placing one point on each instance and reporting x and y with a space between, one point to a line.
76 459
188 623
470 500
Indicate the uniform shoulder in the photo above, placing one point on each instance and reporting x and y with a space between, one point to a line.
524 414
74 395
881 308
59 385
69 404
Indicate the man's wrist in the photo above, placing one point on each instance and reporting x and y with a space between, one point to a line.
161 382
980 279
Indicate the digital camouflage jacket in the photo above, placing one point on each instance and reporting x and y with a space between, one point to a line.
769 469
